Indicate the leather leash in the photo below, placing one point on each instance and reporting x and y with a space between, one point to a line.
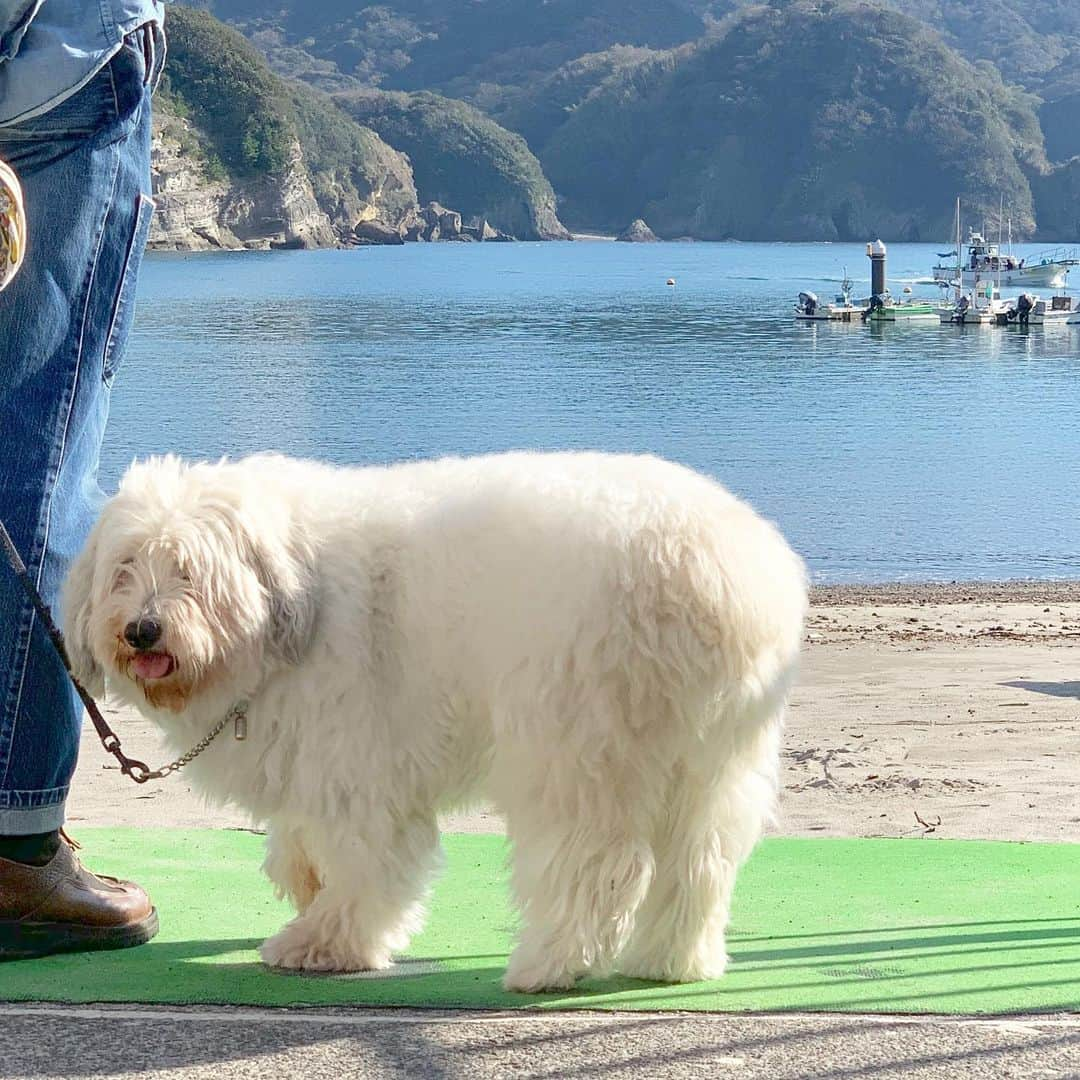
139 771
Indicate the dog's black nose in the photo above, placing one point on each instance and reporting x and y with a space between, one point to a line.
142 633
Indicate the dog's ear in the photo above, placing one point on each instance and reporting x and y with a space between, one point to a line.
78 608
287 573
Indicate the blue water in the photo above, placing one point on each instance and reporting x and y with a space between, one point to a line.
886 452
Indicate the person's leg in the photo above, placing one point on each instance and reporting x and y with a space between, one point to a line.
84 167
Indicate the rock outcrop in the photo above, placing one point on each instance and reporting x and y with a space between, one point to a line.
441 223
375 232
481 230
436 222
637 232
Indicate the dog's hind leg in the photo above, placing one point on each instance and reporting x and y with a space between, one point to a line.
712 822
578 892
370 903
579 874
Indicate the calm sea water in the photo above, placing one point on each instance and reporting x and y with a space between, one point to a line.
888 452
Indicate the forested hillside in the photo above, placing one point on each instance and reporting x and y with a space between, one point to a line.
800 120
708 118
224 111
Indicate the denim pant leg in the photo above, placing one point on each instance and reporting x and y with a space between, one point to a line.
85 171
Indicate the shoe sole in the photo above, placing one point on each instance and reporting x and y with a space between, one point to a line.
26 940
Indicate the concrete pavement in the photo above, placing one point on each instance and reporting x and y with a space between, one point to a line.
229 1044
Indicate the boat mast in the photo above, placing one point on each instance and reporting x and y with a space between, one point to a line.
959 263
1001 215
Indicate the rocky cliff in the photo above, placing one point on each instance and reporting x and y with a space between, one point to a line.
245 158
196 212
200 207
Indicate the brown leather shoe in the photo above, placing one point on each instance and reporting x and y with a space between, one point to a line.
62 907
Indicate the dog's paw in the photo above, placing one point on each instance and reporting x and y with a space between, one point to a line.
669 970
523 976
294 950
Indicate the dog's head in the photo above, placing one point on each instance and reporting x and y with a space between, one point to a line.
192 577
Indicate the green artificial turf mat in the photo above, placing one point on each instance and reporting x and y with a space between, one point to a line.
904 926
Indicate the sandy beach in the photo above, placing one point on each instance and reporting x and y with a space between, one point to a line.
936 710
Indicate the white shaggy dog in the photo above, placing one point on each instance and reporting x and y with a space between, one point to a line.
601 645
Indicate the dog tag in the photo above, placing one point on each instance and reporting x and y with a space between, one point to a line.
240 727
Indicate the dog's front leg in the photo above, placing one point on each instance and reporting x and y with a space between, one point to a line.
370 903
289 865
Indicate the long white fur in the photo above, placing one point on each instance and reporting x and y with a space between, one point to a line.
601 645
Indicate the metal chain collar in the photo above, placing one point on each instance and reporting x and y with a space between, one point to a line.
141 774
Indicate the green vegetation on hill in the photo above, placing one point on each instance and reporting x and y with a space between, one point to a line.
349 162
1035 44
214 73
1061 122
539 109
1057 194
457 45
463 159
818 120
249 122
707 117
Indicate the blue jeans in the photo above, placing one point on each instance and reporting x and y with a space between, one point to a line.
85 171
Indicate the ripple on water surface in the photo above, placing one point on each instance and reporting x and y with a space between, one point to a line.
885 452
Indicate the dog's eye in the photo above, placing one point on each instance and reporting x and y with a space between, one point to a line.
130 561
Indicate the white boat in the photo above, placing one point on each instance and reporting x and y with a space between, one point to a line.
1057 310
842 309
986 260
978 305
969 306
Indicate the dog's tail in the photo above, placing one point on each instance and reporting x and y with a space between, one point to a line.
720 602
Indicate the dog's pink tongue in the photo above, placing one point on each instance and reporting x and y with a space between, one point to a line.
154 665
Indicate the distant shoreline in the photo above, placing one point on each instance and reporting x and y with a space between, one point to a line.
158 247
1023 591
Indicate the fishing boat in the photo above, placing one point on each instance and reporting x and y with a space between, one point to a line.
982 304
1057 310
885 308
983 259
842 309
